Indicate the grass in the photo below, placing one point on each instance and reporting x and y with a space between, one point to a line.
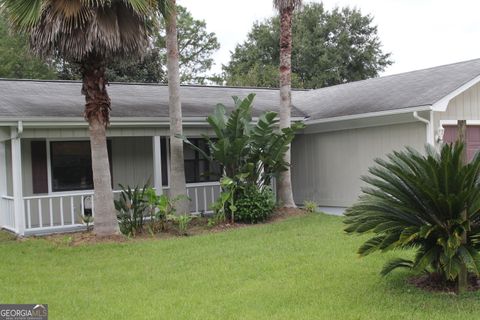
300 268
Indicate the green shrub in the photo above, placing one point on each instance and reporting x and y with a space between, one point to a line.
131 209
87 220
417 201
310 206
253 204
182 221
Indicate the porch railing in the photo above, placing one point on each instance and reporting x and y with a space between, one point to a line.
57 212
7 213
202 195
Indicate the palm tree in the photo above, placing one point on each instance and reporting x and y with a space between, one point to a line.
88 33
177 170
286 8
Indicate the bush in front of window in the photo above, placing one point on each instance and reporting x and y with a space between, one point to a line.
254 205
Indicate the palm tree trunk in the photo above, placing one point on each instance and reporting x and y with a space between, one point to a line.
284 181
177 165
97 111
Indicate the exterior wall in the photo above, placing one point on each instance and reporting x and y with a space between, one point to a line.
326 167
132 161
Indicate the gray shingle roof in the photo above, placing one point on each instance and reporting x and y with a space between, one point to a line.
50 99
405 90
29 98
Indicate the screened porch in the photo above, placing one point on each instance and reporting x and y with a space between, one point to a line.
49 185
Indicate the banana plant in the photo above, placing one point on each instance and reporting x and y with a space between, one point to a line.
241 146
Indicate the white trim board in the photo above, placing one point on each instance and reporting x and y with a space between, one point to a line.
369 114
365 122
454 122
63 122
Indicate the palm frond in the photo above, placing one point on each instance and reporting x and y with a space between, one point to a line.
394 264
415 200
76 28
283 4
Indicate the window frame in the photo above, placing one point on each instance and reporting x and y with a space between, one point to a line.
198 159
50 171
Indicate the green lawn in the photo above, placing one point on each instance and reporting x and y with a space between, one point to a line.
300 268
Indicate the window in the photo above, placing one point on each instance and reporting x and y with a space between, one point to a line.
197 168
71 165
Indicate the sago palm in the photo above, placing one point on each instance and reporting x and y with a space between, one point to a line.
415 201
286 9
88 32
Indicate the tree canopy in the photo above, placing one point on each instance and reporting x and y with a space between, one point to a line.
329 47
16 59
196 46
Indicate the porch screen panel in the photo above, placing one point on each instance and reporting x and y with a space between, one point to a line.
71 163
39 166
163 146
197 167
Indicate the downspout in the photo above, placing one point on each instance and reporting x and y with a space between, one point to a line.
428 123
19 129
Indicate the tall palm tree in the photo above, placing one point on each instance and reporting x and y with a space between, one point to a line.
177 169
89 33
286 9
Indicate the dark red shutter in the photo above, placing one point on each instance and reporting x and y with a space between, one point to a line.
164 146
39 166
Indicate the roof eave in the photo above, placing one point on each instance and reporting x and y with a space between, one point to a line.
369 115
442 104
62 122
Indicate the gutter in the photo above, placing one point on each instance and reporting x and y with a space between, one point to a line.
369 115
115 122
19 129
416 116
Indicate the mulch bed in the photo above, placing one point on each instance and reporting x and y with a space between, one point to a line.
199 225
434 283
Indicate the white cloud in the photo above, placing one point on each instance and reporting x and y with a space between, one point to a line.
419 33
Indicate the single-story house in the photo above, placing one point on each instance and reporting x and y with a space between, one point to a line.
45 166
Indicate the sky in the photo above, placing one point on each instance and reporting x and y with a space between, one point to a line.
418 33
